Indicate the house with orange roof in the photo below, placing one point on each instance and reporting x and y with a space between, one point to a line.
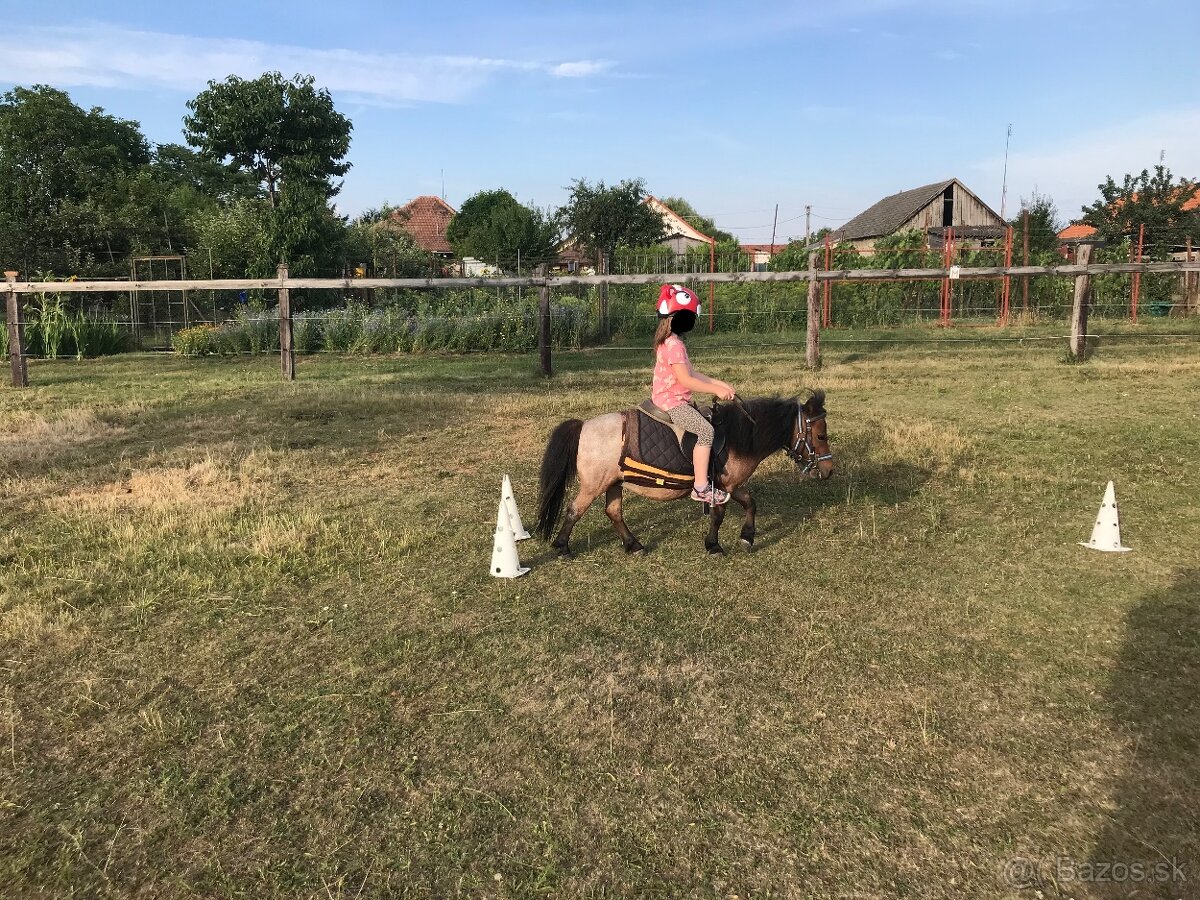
426 218
760 254
1076 233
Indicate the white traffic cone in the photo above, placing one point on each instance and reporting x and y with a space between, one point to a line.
514 515
505 562
1106 533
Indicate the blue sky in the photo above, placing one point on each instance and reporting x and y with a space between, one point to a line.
735 107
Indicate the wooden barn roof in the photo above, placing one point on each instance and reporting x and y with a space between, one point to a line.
891 212
426 219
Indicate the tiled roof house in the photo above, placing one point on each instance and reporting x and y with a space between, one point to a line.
426 219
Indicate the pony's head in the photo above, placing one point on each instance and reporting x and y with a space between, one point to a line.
810 438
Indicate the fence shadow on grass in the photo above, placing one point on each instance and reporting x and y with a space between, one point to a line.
1154 697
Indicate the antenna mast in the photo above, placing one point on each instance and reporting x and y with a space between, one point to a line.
1004 189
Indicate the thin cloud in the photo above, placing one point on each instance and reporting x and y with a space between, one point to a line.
108 56
581 69
1070 170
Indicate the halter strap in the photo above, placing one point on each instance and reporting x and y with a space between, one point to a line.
803 439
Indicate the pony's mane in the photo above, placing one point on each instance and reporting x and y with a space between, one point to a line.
774 419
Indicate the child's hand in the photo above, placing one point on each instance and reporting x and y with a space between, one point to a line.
724 391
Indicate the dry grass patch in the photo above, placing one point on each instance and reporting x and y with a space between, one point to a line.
939 446
34 438
210 483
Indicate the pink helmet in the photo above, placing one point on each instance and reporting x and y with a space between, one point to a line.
675 298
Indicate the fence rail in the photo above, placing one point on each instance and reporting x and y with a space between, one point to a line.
832 275
283 284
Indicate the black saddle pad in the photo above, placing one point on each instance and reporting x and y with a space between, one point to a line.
658 447
650 453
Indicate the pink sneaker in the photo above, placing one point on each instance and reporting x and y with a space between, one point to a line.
713 496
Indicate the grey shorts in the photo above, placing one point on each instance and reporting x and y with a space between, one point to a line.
687 418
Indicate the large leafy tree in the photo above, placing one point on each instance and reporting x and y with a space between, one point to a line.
280 130
703 224
64 174
286 134
493 224
1155 200
603 218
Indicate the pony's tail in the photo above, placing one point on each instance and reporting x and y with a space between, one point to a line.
558 469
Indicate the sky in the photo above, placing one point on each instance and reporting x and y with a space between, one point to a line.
736 107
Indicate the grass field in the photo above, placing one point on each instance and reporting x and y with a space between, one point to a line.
250 648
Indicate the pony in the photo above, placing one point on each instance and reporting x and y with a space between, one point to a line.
753 431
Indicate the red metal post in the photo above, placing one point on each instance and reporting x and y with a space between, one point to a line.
826 303
712 301
1137 276
1008 242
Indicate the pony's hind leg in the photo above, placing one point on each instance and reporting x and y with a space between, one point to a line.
575 510
612 506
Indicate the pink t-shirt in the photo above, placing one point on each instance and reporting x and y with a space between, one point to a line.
667 392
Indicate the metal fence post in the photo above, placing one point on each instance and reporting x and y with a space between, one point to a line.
16 334
544 318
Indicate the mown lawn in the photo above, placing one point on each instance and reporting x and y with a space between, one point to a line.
249 646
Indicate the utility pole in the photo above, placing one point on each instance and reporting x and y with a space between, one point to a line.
807 222
773 224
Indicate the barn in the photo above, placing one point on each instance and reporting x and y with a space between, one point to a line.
930 209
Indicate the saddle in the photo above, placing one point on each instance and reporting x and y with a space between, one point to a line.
656 452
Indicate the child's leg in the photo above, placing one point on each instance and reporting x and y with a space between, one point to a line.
687 418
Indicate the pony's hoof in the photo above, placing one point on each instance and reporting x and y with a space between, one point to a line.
715 549
635 548
565 554
748 546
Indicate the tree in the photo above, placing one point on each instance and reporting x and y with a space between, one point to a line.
1156 201
1043 222
492 224
375 237
288 135
61 177
703 224
276 129
603 218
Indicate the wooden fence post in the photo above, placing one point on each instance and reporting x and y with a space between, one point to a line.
287 350
812 354
1079 310
544 319
16 335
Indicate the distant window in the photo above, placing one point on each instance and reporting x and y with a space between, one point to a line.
948 207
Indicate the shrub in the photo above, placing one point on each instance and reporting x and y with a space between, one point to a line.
200 340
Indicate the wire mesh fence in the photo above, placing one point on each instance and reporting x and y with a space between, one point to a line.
492 313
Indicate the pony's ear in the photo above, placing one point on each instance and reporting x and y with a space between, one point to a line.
815 404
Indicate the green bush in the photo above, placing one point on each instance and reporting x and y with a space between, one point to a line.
202 340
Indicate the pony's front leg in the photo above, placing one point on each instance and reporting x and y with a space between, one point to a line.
612 506
743 497
711 542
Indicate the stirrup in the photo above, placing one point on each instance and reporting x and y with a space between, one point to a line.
711 495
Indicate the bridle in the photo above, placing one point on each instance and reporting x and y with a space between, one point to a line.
808 460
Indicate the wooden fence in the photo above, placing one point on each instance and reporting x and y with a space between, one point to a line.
284 284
